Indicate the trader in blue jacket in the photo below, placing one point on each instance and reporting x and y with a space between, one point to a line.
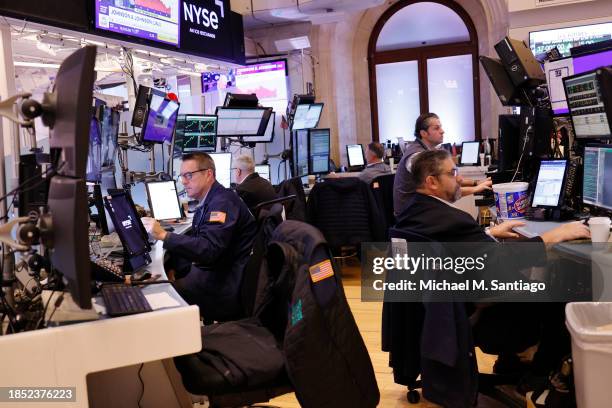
210 261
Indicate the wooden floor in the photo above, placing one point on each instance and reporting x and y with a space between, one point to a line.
368 317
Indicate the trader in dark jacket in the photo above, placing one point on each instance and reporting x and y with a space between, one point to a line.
431 214
211 260
375 166
251 187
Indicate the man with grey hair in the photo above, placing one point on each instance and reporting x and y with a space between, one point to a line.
374 163
251 187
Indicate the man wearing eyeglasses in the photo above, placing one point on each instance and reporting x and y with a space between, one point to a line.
209 262
429 134
430 214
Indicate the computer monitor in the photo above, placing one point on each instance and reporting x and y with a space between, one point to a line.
177 142
160 120
589 97
319 151
596 186
355 155
242 121
94 155
163 200
300 153
263 170
549 185
67 200
267 137
128 225
223 168
307 116
558 69
199 133
469 153
109 127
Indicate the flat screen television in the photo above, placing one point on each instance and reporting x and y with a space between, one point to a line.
152 20
568 37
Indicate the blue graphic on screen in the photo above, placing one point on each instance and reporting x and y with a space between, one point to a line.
161 120
127 224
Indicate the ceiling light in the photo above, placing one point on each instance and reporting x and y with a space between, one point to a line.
35 64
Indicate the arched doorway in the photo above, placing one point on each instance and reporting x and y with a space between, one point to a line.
423 57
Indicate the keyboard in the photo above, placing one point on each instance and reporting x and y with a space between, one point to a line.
122 300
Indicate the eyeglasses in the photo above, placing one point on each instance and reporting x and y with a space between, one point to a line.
188 175
453 173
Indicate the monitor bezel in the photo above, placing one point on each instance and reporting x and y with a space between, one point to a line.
145 121
178 202
143 233
269 171
265 118
186 116
601 207
258 139
607 106
310 106
563 182
461 162
310 166
348 156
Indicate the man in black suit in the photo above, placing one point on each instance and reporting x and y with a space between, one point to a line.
431 214
251 187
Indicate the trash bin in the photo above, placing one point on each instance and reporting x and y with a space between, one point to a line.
590 324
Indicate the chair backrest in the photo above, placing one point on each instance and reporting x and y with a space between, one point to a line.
267 221
345 211
382 187
266 205
296 209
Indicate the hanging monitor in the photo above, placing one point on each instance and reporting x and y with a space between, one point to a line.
151 20
596 186
589 97
267 137
235 122
160 119
223 168
319 151
199 133
307 116
355 155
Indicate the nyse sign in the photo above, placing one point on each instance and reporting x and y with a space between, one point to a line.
209 28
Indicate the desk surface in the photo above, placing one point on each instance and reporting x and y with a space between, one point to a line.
63 356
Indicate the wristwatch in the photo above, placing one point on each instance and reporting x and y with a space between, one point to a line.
475 182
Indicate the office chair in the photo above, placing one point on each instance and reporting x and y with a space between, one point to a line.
295 210
344 210
268 204
382 187
402 331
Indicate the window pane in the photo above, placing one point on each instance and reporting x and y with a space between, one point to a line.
451 96
397 87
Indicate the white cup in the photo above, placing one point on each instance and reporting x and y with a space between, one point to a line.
600 229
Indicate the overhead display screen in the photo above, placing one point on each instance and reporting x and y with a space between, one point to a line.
153 20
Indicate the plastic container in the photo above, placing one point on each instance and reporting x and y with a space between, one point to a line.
511 200
590 324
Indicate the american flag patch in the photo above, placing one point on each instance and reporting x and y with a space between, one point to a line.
320 271
217 216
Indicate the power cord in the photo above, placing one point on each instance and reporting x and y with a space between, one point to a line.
142 386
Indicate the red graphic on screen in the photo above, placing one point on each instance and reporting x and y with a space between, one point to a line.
155 6
261 92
